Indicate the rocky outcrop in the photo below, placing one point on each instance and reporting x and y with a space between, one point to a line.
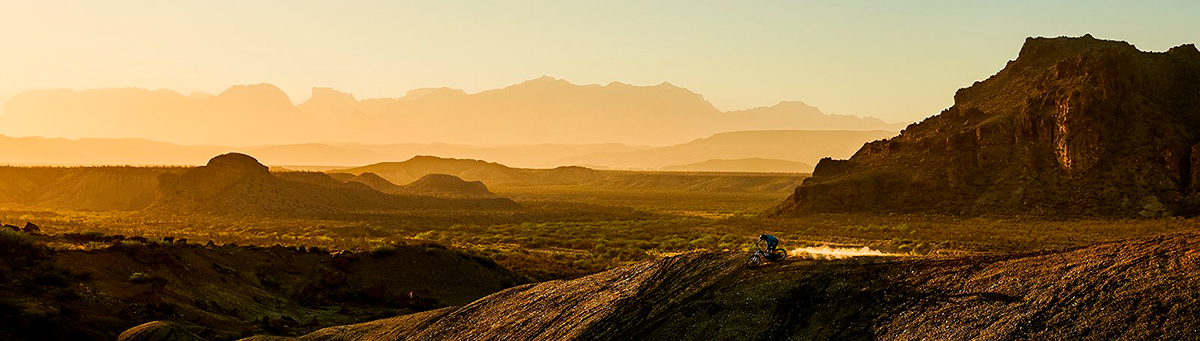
1138 289
31 228
1073 126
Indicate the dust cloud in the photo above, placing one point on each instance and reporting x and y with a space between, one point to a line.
826 252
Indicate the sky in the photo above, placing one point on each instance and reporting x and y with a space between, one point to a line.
899 61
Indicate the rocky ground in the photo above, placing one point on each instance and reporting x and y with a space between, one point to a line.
1137 289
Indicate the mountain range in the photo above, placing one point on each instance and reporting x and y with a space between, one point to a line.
539 111
791 145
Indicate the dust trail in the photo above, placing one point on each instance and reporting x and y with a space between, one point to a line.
826 252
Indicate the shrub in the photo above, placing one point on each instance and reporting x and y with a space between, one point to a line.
11 241
143 278
49 276
383 250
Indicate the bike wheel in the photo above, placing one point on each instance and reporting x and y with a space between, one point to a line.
754 261
780 255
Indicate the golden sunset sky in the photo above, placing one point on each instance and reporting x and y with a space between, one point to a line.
899 61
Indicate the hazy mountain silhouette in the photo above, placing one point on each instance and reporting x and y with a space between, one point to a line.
1072 126
744 165
538 111
241 115
130 151
793 145
556 111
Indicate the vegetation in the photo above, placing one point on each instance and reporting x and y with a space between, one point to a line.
569 232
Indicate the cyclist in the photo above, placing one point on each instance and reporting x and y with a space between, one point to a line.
772 242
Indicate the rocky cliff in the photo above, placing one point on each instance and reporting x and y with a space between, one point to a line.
1073 126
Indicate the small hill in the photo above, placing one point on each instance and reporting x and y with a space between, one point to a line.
758 165
806 146
1071 127
500 177
376 182
236 184
446 186
475 170
1136 289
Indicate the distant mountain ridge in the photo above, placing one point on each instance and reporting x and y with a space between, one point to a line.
542 110
744 165
791 145
236 116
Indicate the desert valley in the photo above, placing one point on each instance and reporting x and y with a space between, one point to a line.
1056 197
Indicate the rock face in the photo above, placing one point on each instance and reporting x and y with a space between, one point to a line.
1139 289
1073 126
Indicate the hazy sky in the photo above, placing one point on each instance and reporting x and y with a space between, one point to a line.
897 60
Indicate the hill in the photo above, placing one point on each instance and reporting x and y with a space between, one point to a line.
1136 289
236 184
223 292
81 188
432 185
758 165
232 117
501 178
794 145
1073 126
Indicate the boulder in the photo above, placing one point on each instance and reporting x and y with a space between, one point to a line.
32 228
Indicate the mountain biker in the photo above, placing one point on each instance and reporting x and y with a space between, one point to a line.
772 242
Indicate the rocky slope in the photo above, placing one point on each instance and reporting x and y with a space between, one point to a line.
1138 289
1073 126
